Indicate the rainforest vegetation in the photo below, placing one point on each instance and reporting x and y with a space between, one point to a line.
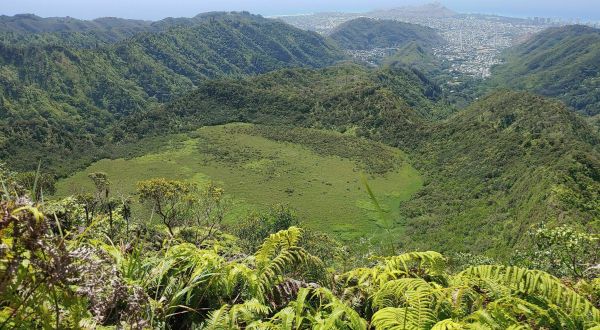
88 262
229 171
71 96
559 62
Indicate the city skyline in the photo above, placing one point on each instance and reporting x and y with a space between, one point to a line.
585 10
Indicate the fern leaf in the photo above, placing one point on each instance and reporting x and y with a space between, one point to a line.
447 324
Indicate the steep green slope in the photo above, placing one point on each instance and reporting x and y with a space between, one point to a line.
509 161
31 24
57 99
367 33
162 64
236 43
559 62
318 173
28 29
414 55
342 98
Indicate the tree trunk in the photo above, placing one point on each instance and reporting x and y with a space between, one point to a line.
110 216
169 227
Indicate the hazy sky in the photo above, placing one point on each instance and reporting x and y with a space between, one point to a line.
157 9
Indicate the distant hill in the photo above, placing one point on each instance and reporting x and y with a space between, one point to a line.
491 172
29 23
326 22
434 9
60 98
559 62
26 29
367 33
414 55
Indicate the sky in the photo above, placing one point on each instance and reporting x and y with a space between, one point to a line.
158 9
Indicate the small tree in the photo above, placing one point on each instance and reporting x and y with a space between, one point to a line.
282 217
563 251
8 182
165 197
111 204
206 209
89 206
42 183
254 228
101 183
126 210
107 204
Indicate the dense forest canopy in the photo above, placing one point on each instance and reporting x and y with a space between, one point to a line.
70 97
559 62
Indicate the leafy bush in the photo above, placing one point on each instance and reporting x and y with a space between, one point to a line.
55 277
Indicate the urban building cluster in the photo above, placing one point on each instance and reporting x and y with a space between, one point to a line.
474 41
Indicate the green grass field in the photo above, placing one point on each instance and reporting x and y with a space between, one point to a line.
318 175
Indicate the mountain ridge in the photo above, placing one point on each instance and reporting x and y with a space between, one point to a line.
81 91
561 62
495 167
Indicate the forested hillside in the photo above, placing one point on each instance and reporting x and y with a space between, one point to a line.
559 62
57 99
389 104
415 55
29 28
95 102
509 162
494 164
31 24
256 275
367 33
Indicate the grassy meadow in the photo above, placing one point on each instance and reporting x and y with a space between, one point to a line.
318 175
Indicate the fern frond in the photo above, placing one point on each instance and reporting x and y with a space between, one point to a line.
430 263
279 254
249 310
186 276
448 324
287 318
414 264
537 284
318 309
418 316
236 316
391 318
395 293
284 239
218 319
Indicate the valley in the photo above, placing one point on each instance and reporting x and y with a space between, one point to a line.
319 177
